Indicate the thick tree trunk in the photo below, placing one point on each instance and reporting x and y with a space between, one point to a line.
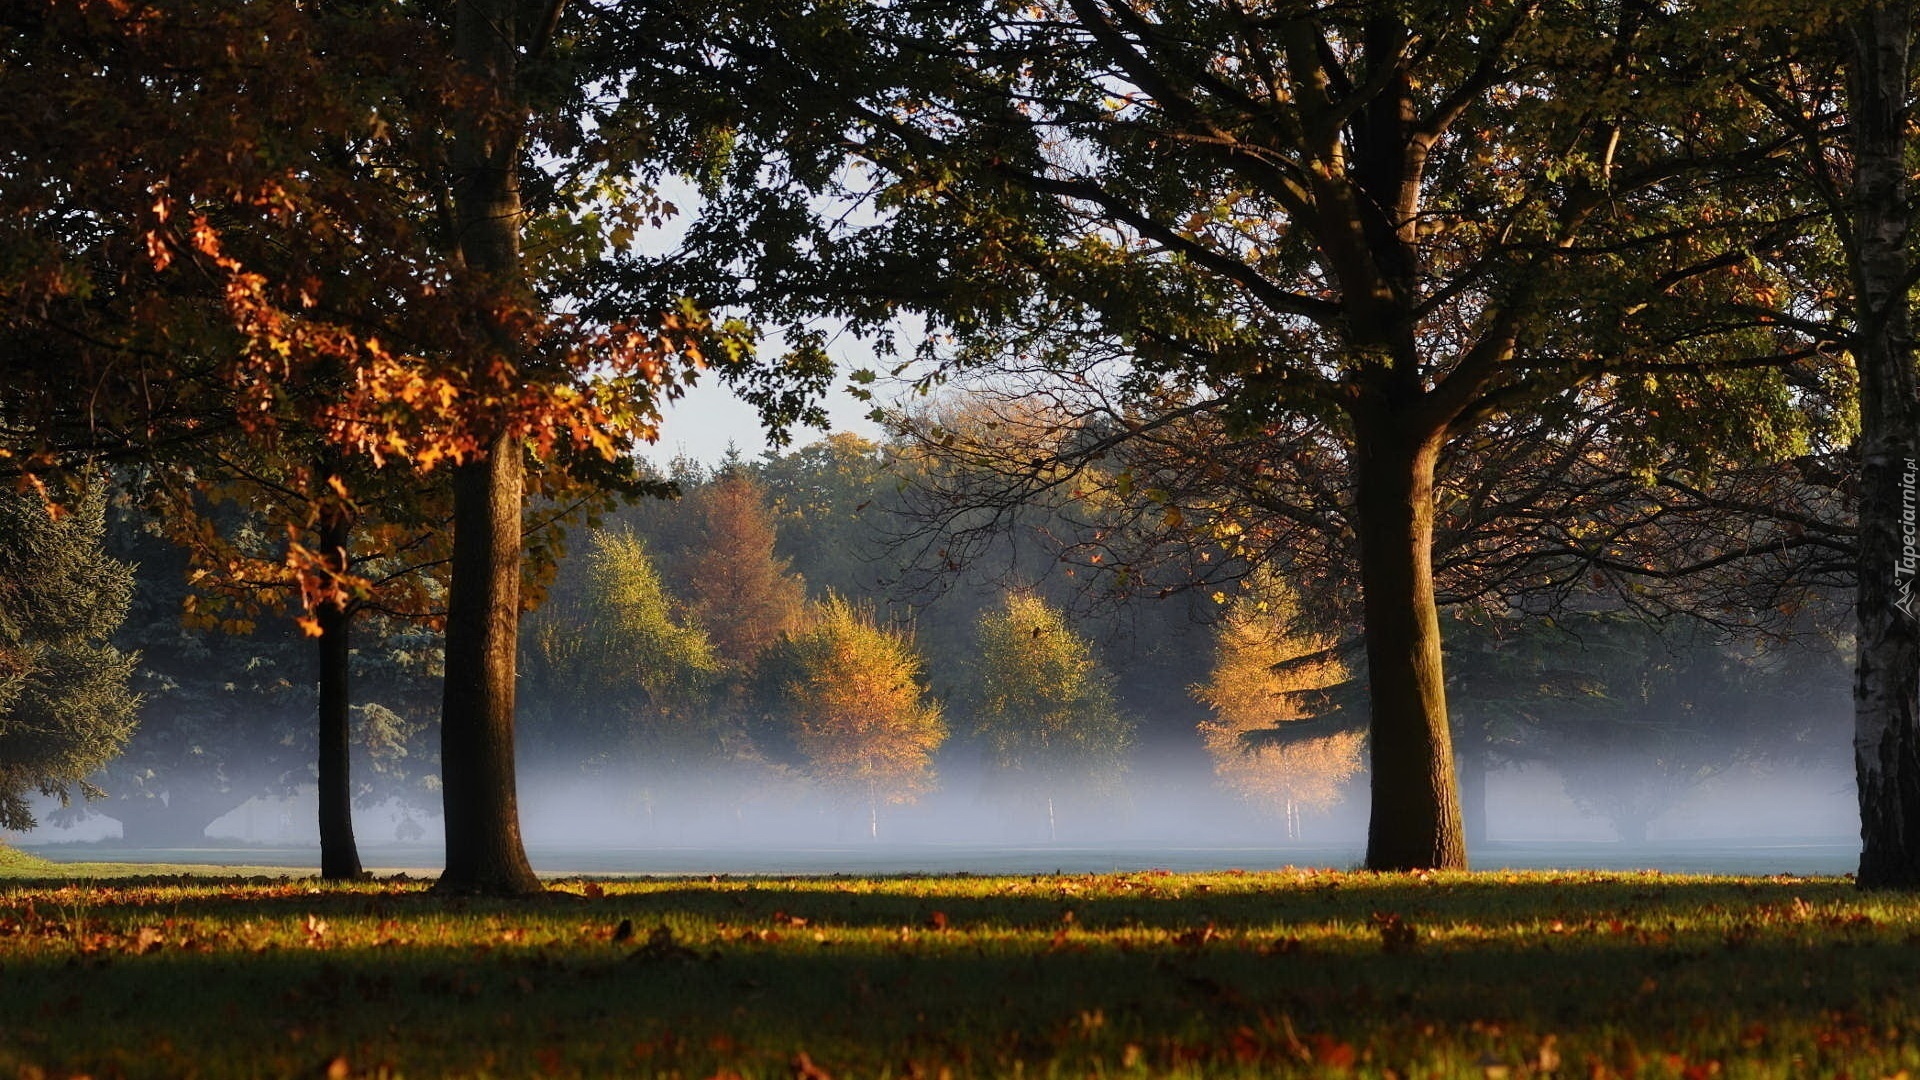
339 857
484 850
1887 669
1415 821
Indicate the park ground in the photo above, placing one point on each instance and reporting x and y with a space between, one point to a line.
1490 976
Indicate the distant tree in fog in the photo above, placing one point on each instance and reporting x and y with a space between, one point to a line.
613 671
829 500
1639 718
1042 703
739 591
65 707
860 722
1264 673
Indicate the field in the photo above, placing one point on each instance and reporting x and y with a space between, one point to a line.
1489 976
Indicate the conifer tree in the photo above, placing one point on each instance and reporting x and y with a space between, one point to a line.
65 706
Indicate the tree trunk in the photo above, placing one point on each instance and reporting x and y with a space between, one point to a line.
1886 693
339 857
1415 818
484 850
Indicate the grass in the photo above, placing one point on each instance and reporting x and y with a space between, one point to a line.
1486 976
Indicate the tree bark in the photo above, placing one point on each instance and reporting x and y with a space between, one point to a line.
1415 819
339 856
485 853
1887 666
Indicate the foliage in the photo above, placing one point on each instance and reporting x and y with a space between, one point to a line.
734 585
1144 974
65 705
614 667
1041 702
290 246
829 499
860 721
1265 675
1361 240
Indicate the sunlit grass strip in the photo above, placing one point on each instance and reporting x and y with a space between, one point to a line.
1307 972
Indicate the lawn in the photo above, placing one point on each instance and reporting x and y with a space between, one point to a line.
1488 976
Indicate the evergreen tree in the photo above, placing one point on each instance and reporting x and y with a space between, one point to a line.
736 588
65 705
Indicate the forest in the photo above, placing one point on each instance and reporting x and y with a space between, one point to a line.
1323 395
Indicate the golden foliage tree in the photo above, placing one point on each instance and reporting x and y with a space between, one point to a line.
1262 669
862 723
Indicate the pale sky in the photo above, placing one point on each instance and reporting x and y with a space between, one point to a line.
701 424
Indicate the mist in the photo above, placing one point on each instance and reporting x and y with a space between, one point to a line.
1170 814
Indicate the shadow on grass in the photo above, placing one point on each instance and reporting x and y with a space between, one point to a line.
1296 976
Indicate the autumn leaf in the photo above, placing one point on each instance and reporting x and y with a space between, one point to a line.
804 1068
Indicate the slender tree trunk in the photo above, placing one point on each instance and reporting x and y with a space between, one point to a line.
339 856
1886 692
1415 819
484 849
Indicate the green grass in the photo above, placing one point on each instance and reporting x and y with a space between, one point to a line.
1487 976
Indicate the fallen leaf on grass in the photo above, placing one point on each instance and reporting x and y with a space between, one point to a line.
1196 937
1397 935
661 946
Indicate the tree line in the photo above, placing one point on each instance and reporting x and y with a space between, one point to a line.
1414 302
747 646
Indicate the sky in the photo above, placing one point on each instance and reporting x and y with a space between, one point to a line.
702 424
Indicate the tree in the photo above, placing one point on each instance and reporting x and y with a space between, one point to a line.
737 589
860 722
1041 702
829 501
1265 675
1878 43
321 541
614 673
337 248
1376 227
65 705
